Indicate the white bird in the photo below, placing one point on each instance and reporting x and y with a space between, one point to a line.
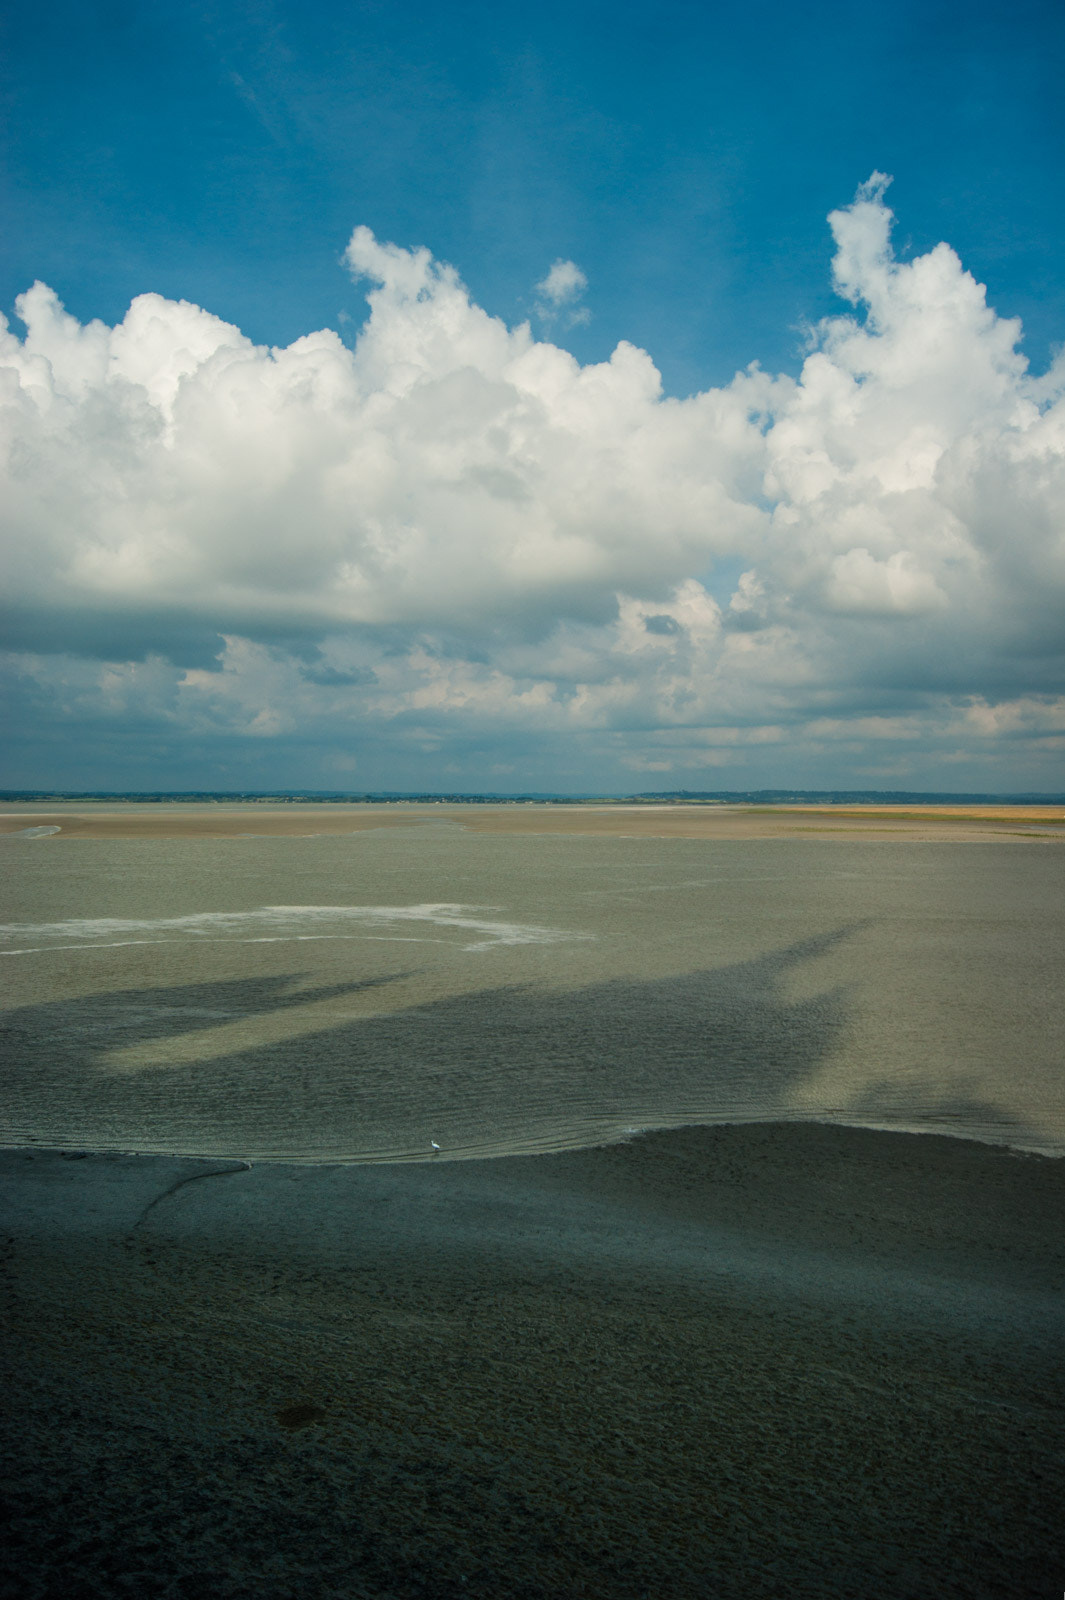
434 1144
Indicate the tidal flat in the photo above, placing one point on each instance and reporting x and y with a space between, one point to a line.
430 1210
726 1361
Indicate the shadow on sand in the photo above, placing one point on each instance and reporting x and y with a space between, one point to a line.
515 1067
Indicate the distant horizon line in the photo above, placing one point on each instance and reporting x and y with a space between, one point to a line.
541 797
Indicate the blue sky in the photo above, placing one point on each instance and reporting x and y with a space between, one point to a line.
684 158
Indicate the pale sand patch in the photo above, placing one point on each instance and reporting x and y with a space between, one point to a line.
746 1361
969 824
209 822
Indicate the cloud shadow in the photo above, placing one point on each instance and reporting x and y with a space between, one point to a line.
509 1067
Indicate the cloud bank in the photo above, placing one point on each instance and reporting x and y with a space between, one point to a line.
453 537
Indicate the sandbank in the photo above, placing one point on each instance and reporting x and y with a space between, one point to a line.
739 1361
174 820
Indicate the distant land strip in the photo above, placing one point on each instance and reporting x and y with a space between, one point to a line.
686 797
51 820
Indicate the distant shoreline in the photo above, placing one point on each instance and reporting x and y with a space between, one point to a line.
177 819
936 799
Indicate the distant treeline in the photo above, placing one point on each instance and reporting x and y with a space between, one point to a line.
844 797
759 797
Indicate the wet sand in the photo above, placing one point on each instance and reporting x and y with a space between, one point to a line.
173 820
715 1362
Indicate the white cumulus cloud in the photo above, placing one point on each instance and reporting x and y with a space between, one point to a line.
565 282
456 528
562 288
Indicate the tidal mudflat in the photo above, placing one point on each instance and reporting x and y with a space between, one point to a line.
719 1361
177 820
680 1308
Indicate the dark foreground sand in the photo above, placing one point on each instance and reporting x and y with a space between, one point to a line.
756 1361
